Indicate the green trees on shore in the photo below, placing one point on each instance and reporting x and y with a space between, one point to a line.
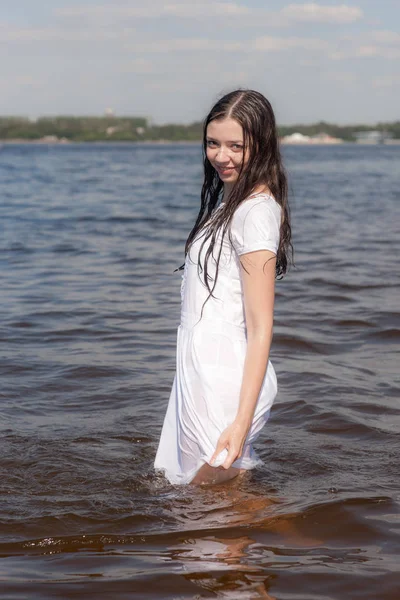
72 128
345 132
135 129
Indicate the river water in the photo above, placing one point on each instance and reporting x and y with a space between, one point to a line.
90 237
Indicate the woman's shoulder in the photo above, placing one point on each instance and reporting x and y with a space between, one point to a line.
258 205
256 225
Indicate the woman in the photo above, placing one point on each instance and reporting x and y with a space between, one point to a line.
225 384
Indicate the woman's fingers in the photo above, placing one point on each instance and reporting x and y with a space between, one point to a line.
221 445
230 440
232 456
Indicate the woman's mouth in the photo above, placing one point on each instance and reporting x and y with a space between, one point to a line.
225 170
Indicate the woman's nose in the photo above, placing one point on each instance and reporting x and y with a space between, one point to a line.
222 156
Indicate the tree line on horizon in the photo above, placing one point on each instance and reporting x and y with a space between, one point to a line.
136 129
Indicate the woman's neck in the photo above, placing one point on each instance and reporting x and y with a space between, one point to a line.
228 187
259 189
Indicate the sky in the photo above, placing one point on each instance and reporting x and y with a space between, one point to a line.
171 60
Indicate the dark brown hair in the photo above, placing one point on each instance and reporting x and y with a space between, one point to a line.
264 167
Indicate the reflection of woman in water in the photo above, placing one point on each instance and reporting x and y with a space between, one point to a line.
232 540
225 384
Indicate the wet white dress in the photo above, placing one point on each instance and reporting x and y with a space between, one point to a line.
210 352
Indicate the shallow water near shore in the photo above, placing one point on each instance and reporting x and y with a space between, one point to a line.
91 235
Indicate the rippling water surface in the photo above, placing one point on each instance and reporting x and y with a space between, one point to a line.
90 237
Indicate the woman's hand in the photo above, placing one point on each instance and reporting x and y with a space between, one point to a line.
232 438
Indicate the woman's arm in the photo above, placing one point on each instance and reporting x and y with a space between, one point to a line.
258 280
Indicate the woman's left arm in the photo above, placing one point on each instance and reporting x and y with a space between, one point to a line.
258 281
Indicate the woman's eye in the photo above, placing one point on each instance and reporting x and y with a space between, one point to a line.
211 143
237 147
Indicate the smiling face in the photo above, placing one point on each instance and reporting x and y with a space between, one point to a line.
225 145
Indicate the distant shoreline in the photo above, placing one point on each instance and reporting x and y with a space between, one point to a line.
140 130
63 142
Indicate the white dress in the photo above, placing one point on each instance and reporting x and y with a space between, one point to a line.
210 352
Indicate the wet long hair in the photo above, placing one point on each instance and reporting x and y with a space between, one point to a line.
263 168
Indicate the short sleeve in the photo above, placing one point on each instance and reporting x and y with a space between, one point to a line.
256 227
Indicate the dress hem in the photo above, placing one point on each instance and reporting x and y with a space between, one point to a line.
185 478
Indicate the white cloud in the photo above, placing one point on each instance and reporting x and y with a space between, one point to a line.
185 45
377 51
338 55
138 65
386 81
24 80
155 9
342 77
260 44
205 9
315 13
386 37
277 44
234 13
110 11
228 14
365 51
57 34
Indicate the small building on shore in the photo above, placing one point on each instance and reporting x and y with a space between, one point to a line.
325 138
295 138
52 139
301 139
372 137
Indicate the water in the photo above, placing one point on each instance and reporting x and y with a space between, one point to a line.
90 237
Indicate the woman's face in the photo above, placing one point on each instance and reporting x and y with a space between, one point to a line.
224 139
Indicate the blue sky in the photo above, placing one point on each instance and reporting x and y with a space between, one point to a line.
170 60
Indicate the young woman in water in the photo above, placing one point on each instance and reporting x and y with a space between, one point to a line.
225 384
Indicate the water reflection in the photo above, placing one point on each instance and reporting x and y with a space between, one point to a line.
220 565
238 542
